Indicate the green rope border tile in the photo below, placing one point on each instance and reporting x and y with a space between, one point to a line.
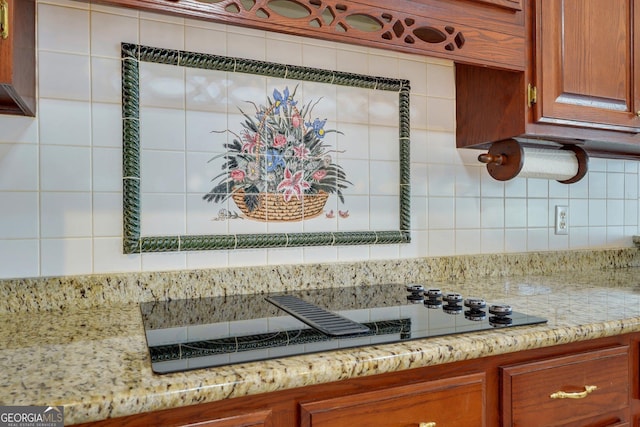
133 242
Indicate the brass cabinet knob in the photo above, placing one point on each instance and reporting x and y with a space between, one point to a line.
430 424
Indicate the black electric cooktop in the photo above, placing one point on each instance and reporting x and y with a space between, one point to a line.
207 332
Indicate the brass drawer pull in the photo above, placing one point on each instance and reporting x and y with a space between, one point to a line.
575 395
431 424
4 19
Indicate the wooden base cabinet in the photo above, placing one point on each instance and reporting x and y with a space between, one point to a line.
452 402
593 383
586 389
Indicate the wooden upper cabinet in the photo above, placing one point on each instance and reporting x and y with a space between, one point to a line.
588 69
17 57
509 4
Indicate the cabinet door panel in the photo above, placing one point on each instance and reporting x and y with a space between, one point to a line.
451 402
531 391
586 63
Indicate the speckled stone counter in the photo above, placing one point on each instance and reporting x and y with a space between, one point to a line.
94 360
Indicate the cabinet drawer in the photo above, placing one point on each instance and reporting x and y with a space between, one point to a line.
451 402
594 383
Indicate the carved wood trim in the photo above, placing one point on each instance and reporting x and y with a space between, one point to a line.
433 27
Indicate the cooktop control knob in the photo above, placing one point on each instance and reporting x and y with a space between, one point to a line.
433 293
500 310
475 303
452 298
415 288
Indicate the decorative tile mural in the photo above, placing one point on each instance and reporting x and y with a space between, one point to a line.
275 155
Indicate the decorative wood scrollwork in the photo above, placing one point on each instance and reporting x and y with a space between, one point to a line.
335 17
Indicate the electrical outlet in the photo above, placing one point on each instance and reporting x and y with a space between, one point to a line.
562 219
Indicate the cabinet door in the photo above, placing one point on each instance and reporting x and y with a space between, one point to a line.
17 57
451 402
588 74
585 389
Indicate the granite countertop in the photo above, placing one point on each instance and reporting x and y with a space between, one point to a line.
94 361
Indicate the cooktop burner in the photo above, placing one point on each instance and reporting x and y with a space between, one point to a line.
207 332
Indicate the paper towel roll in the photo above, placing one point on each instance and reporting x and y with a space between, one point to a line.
560 165
508 159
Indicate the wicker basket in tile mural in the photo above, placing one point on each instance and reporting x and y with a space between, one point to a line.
274 207
278 167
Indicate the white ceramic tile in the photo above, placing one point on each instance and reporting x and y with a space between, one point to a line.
490 187
284 51
162 214
352 142
285 256
580 189
18 129
106 80
598 237
515 240
615 185
64 76
558 190
360 214
320 254
441 81
208 218
383 109
597 185
597 213
558 242
352 62
515 213
166 35
162 171
19 213
616 237
162 86
352 104
491 212
418 111
19 258
615 212
538 212
537 187
385 213
65 215
322 57
207 259
537 239
162 129
578 213
579 238
246 46
383 66
514 187
441 213
245 257
66 257
134 13
63 29
106 125
208 90
164 261
202 132
384 252
357 172
107 214
386 178
18 167
419 246
631 213
615 165
64 168
65 122
441 182
416 72
630 186
468 242
441 114
205 40
467 212
442 243
352 253
467 181
104 40
419 213
107 169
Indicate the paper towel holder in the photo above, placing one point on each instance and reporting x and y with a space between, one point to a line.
505 159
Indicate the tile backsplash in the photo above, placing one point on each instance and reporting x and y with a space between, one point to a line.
61 172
